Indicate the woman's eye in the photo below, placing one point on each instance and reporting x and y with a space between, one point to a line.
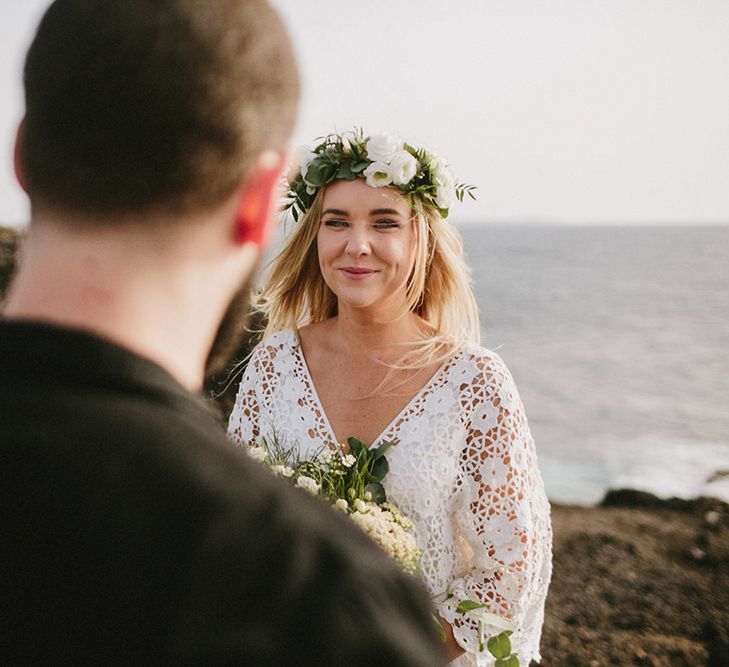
335 223
386 224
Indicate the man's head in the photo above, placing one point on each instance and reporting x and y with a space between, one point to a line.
152 106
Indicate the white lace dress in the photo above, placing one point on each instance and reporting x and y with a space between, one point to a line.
464 469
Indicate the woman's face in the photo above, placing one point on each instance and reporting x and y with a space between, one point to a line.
366 244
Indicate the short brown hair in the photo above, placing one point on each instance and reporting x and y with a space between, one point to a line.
133 107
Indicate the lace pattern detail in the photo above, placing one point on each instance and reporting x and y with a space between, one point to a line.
464 469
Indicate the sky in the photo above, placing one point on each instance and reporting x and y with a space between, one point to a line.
575 111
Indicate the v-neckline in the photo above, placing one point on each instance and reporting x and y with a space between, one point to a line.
325 418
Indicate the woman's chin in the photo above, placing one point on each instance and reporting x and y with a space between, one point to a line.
356 304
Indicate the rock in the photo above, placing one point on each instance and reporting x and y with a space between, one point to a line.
698 554
634 498
630 498
712 518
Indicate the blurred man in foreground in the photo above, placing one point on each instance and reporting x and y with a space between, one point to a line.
133 533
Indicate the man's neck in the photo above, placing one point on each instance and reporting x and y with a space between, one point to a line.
160 305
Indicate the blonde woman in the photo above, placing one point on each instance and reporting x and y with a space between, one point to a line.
373 332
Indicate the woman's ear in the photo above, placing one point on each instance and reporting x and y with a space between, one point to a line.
17 162
254 218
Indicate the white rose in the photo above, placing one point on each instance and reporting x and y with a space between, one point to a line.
444 197
434 162
308 484
381 147
282 471
348 461
378 175
342 505
304 155
446 188
403 167
367 496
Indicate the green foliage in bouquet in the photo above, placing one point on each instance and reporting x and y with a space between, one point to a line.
349 477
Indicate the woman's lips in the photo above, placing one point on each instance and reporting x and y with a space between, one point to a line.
357 272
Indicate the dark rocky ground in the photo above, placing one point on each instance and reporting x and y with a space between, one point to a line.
639 581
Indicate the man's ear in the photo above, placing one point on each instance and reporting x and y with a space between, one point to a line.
17 162
254 218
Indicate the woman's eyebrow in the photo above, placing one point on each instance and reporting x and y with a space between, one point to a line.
336 211
384 211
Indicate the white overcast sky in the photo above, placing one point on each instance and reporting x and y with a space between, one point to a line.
562 110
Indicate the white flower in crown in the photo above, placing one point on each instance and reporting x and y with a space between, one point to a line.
403 166
378 175
381 147
445 184
303 156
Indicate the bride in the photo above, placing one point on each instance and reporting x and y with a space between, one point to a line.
373 332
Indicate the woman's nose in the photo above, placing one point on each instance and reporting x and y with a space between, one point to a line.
358 244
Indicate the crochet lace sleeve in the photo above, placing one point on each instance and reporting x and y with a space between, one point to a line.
500 517
244 425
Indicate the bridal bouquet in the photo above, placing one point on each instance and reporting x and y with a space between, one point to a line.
349 477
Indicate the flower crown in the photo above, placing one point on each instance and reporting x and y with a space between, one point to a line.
382 160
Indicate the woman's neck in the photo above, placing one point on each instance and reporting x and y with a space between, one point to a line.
365 334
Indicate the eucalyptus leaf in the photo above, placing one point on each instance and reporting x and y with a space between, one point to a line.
500 645
345 172
329 172
355 446
377 491
380 468
469 605
315 173
379 452
510 661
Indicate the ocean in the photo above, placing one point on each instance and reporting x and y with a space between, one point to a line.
618 339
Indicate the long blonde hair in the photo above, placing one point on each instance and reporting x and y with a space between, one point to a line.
438 291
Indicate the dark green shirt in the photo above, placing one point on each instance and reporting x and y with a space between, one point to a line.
133 533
